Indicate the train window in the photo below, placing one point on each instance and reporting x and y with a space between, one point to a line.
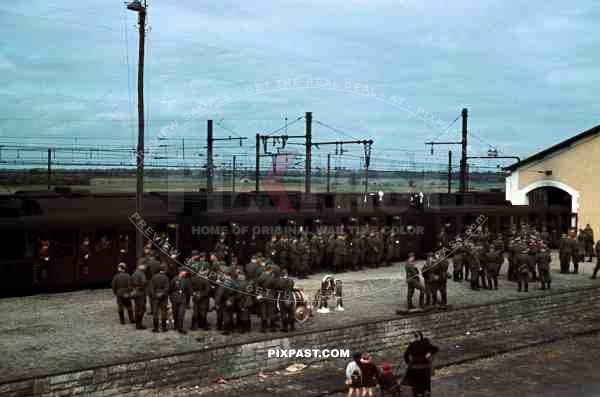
105 241
85 246
14 246
449 224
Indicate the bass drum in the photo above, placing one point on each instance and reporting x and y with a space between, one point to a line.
303 306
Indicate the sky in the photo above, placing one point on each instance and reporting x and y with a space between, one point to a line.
527 71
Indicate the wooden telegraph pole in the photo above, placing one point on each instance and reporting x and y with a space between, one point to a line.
140 8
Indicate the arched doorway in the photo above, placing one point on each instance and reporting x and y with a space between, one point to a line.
558 204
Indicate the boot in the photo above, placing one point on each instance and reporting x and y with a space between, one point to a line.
194 325
122 317
139 321
180 328
155 323
164 326
130 315
204 324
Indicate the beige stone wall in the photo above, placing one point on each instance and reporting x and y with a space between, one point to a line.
579 167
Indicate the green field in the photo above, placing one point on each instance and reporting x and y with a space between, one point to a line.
180 183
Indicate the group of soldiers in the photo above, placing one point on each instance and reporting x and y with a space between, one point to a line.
479 259
260 287
306 253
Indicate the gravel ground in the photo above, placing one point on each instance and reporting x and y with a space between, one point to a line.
54 333
562 369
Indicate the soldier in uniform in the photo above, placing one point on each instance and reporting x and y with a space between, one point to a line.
201 293
378 249
473 265
522 266
138 285
589 241
159 292
597 267
581 242
574 247
545 236
315 253
284 259
393 248
251 268
244 300
413 282
543 261
533 251
430 278
480 251
514 247
221 249
121 288
265 291
152 267
442 269
493 261
339 254
303 253
329 257
286 302
498 244
225 299
372 253
179 287
271 248
564 254
458 257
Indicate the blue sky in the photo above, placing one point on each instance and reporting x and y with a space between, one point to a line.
527 71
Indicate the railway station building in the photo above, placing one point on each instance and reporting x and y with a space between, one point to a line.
565 174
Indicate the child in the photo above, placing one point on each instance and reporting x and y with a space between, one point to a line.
354 375
369 375
355 384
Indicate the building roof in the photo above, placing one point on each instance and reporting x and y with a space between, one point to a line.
552 149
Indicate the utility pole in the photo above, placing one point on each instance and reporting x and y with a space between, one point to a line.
463 158
257 170
49 167
307 171
328 171
140 8
210 169
265 142
233 175
367 144
209 156
449 171
367 148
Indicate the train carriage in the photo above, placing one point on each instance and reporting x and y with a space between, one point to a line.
57 242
